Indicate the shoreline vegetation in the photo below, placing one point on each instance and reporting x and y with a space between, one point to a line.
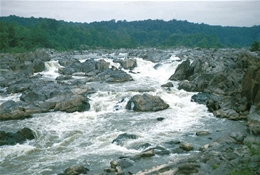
18 34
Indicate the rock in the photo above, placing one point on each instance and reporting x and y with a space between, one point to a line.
228 113
160 119
202 133
200 98
38 65
155 55
114 76
72 104
63 77
186 146
126 63
144 154
11 110
251 84
123 163
76 170
7 138
212 105
146 102
188 168
121 138
169 84
182 72
159 150
186 85
238 136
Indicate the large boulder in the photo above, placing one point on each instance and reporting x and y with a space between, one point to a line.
8 138
11 110
38 65
114 76
146 102
72 104
126 63
182 72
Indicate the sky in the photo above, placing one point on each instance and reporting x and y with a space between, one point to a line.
221 12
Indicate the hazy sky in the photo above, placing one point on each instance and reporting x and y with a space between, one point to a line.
226 13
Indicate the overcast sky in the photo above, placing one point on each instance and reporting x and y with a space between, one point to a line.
225 13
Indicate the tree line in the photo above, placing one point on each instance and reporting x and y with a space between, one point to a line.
18 34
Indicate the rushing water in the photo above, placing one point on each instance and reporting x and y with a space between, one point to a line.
85 138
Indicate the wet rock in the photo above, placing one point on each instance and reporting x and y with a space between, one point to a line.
238 136
121 138
126 63
72 104
114 76
186 85
76 170
38 65
63 77
11 110
202 133
7 138
123 163
187 168
159 150
228 113
146 102
186 146
169 84
160 119
200 98
182 72
145 154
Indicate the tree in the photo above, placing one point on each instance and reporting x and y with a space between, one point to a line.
255 47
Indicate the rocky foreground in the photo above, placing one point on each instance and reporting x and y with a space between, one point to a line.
228 82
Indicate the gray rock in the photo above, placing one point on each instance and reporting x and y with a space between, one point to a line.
7 138
202 133
186 146
146 102
121 138
182 72
169 84
76 170
72 104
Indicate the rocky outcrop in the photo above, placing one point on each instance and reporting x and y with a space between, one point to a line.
228 83
8 138
146 102
126 63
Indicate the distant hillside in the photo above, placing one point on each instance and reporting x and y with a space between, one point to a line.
22 34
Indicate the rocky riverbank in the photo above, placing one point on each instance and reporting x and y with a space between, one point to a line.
227 82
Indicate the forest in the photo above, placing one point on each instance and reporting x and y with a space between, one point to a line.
19 34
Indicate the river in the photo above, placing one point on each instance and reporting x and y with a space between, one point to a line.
85 138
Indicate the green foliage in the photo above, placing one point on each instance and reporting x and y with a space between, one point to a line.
19 34
255 47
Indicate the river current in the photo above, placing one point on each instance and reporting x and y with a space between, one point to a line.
85 138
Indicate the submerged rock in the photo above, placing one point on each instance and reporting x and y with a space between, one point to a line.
7 138
146 102
121 138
